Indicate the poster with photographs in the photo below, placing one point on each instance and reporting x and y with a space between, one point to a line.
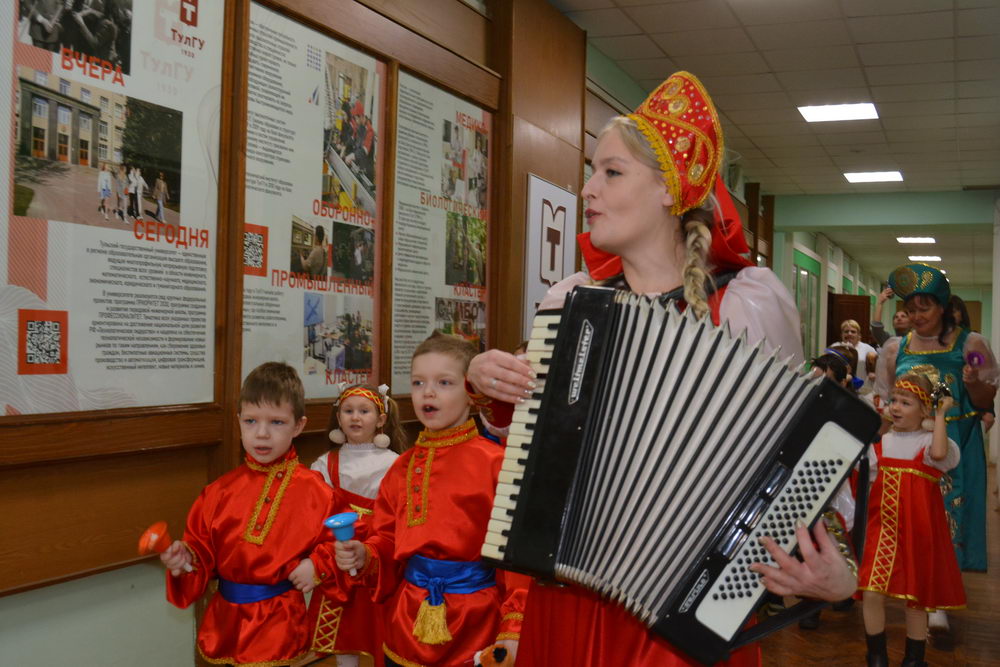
313 202
107 279
440 224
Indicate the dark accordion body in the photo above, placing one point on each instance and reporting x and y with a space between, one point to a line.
655 451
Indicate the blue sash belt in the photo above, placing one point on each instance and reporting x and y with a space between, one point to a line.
438 577
235 593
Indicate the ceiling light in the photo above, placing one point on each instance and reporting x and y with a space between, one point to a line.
805 273
924 258
873 176
828 112
915 239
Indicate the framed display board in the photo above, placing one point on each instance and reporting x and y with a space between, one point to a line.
441 209
108 270
311 264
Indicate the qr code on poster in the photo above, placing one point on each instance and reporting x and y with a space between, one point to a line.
253 250
43 342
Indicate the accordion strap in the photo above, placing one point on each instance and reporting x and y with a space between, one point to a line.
774 623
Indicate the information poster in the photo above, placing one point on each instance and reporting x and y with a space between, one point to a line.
441 212
313 203
108 219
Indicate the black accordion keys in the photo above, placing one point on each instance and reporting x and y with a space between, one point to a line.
654 452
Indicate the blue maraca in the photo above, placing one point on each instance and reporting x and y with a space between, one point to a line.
342 527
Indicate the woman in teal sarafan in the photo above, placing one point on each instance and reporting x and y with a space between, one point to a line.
937 347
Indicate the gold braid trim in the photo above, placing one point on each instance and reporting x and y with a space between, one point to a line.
266 663
967 415
667 166
885 547
395 657
431 440
327 627
284 469
906 345
363 511
513 616
913 471
909 598
516 636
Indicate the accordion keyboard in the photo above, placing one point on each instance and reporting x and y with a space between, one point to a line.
539 354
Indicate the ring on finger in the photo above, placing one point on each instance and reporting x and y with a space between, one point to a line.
493 383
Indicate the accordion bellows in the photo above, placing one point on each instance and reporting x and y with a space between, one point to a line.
655 451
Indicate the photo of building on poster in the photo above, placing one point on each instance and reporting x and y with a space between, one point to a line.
98 29
462 318
349 135
338 337
465 164
92 156
465 252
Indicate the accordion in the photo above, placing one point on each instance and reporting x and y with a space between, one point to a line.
654 452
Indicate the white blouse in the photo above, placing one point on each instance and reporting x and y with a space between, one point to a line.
362 467
755 301
906 444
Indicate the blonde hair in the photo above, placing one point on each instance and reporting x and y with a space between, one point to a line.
448 344
850 323
695 223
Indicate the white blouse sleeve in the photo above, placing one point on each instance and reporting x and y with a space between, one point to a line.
757 302
319 465
556 295
885 369
950 459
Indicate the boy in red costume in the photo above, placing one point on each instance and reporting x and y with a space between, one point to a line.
429 525
259 530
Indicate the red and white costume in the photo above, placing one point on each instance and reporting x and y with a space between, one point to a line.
908 550
254 525
346 620
435 502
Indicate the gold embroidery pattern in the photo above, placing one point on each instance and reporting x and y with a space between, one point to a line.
327 626
885 548
266 663
513 616
509 635
417 516
282 471
363 511
967 415
910 598
398 658
429 441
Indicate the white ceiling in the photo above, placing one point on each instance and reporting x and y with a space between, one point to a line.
931 67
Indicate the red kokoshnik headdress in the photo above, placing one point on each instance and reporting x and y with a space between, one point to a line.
681 124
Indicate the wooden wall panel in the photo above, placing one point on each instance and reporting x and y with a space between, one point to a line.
370 31
450 23
548 70
73 518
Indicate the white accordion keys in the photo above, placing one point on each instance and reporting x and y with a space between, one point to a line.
539 354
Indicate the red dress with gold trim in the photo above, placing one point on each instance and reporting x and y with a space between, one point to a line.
908 550
252 526
436 501
344 617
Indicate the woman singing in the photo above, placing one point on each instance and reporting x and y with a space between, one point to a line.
655 228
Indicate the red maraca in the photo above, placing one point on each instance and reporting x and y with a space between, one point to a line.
156 540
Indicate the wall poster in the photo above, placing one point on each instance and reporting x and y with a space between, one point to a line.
439 225
108 215
550 242
313 204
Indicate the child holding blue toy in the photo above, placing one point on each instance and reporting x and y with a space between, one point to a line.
423 556
367 439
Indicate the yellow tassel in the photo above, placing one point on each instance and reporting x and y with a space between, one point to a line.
431 626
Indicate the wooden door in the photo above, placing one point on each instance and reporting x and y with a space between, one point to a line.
842 307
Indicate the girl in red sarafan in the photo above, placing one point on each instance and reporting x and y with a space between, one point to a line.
364 427
908 552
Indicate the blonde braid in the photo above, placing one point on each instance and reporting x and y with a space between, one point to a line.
697 240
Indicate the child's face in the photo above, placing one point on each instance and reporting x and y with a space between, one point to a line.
906 411
437 385
267 430
359 418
